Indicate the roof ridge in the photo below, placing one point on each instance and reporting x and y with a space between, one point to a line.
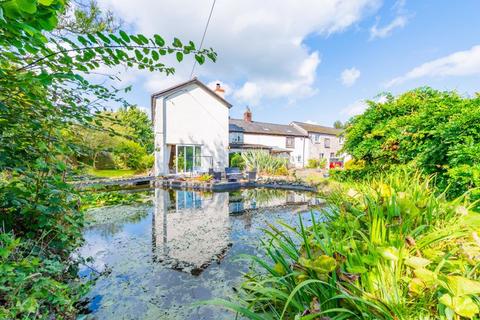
253 121
314 124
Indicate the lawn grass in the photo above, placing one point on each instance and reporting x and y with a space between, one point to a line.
115 173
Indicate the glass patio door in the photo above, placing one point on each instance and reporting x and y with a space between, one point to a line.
188 158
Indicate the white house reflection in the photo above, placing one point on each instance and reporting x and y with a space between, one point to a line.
192 229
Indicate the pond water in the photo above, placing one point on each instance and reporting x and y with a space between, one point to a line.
158 259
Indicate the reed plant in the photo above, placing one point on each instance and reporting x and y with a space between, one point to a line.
389 248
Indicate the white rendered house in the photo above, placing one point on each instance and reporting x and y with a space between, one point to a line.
323 142
278 139
191 129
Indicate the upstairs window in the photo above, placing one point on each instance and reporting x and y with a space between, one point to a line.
327 142
236 137
290 142
317 138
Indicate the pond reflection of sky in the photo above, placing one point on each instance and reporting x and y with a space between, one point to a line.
181 250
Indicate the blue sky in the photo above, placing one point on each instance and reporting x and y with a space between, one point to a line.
285 59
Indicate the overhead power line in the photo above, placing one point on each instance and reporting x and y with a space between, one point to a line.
203 37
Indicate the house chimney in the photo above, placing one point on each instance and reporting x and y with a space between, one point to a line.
219 90
247 115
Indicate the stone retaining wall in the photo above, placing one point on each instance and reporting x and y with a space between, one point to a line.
230 186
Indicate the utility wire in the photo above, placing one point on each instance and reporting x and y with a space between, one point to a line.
203 37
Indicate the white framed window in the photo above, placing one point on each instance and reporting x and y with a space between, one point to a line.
317 138
327 142
290 142
236 137
188 158
299 158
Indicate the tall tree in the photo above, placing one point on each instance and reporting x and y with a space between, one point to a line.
139 122
82 17
338 125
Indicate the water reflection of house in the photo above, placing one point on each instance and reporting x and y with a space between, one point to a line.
252 199
190 230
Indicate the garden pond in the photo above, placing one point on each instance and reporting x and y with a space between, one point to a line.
155 260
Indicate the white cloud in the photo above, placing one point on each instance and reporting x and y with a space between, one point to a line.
260 44
461 63
385 31
350 76
311 122
249 92
356 108
299 86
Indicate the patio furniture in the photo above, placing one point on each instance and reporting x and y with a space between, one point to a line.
217 176
233 174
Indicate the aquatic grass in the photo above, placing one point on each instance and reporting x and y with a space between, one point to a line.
386 249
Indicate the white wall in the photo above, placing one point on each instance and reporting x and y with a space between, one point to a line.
193 117
316 148
280 142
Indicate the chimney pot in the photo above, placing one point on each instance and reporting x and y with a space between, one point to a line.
219 90
247 115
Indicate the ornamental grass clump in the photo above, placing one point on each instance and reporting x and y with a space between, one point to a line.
386 249
264 162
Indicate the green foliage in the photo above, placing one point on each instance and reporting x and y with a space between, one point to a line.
236 161
139 125
126 133
282 171
84 18
104 161
44 99
437 132
33 285
386 249
92 199
338 124
354 164
130 154
263 162
317 163
146 162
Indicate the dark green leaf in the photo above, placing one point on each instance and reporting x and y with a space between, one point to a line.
124 36
159 40
179 56
177 43
200 59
